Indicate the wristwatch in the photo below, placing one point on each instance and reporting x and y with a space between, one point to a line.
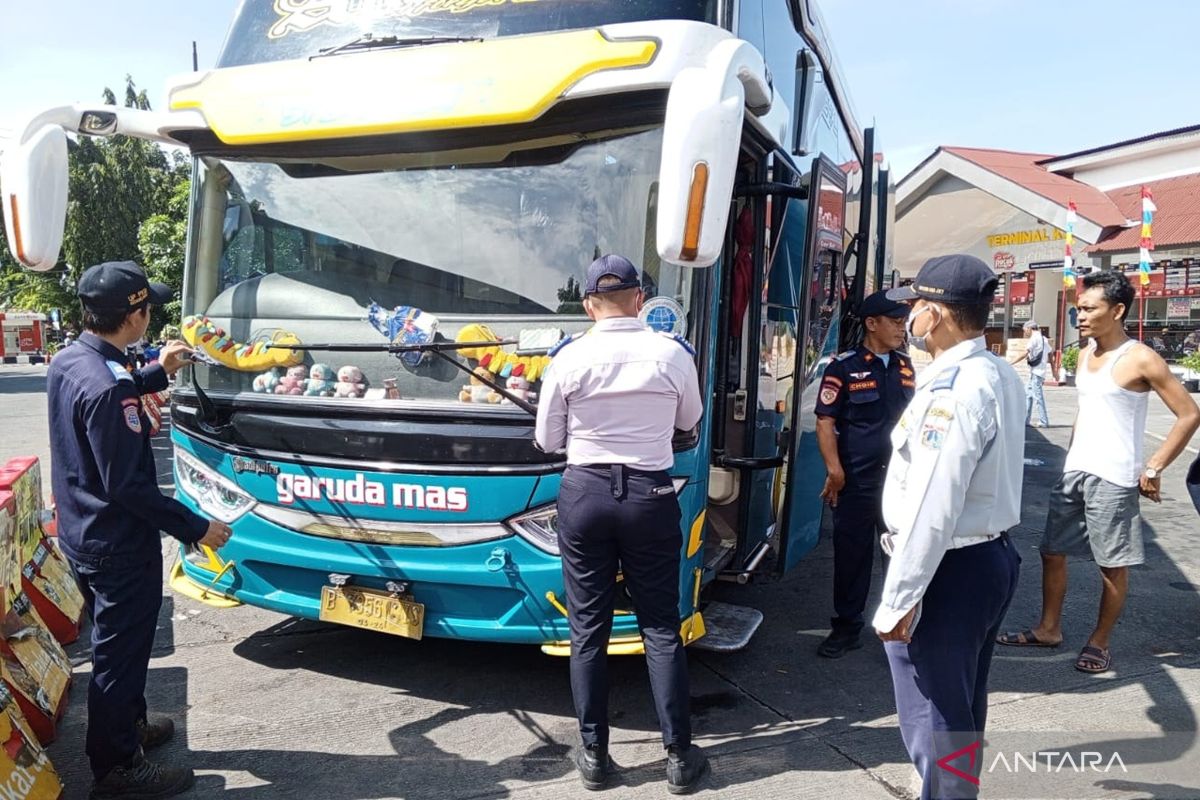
1152 473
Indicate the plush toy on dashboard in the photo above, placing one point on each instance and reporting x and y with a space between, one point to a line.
350 382
478 391
253 356
267 381
405 325
519 387
294 381
321 381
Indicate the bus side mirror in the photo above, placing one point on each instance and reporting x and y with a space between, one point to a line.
702 136
33 180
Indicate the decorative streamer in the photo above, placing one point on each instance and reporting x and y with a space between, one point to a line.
1147 244
1068 258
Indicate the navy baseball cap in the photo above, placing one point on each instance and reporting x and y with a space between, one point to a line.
958 279
119 286
878 305
617 266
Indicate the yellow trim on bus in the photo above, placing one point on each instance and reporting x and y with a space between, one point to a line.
691 630
469 84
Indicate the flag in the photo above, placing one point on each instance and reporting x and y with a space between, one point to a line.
1068 259
1147 243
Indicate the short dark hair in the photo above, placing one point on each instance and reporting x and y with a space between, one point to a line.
106 322
1114 284
970 316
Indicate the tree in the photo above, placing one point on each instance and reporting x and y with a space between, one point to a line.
162 241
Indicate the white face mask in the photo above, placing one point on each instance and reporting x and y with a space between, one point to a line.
915 341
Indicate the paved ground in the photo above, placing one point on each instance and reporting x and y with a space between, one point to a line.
273 707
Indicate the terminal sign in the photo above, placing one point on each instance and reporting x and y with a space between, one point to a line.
1035 236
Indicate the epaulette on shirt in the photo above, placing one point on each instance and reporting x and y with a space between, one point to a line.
554 350
845 355
945 379
682 342
119 371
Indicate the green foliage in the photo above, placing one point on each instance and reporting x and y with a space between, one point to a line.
127 202
1070 358
1191 361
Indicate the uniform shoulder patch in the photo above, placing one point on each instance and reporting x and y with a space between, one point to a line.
573 337
682 342
845 355
945 379
119 371
129 410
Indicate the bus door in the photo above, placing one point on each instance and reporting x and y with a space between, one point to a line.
758 352
820 275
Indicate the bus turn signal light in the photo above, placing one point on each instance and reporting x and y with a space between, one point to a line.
695 212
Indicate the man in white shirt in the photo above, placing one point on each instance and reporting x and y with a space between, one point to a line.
953 490
1035 356
613 399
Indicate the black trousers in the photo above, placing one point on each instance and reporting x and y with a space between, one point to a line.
941 676
614 518
122 596
857 521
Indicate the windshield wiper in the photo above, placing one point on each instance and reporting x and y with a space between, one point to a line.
368 42
438 349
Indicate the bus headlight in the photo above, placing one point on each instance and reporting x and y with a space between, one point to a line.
538 527
216 495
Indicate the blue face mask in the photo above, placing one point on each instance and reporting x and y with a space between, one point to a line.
918 342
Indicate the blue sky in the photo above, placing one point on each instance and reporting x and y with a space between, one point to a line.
1054 76
1015 74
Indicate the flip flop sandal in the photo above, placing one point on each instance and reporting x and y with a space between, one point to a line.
1025 638
1093 660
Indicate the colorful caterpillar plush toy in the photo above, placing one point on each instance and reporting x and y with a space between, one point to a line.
500 363
200 332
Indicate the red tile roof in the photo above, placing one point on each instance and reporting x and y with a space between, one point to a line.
1176 222
1024 170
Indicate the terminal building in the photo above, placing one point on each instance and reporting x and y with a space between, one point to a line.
1010 209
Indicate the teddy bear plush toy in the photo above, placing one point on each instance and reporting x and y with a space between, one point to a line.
477 391
321 381
294 381
267 381
351 382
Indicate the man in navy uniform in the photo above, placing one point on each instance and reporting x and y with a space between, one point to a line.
952 492
614 398
863 393
110 512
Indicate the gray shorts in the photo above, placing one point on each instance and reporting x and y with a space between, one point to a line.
1091 517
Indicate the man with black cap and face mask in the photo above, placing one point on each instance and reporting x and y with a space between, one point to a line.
110 512
953 490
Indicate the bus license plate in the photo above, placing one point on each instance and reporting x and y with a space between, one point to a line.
373 610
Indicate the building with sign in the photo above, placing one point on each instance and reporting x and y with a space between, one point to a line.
21 333
1010 209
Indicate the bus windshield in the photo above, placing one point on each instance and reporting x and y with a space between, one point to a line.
495 237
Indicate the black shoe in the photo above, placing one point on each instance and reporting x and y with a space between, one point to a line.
838 643
594 766
685 768
143 780
155 732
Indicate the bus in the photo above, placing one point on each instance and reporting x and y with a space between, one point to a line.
393 205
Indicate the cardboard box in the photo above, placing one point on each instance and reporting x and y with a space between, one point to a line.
25 770
36 668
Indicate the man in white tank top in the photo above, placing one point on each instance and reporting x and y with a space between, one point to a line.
1094 507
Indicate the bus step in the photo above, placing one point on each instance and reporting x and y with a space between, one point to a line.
729 628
